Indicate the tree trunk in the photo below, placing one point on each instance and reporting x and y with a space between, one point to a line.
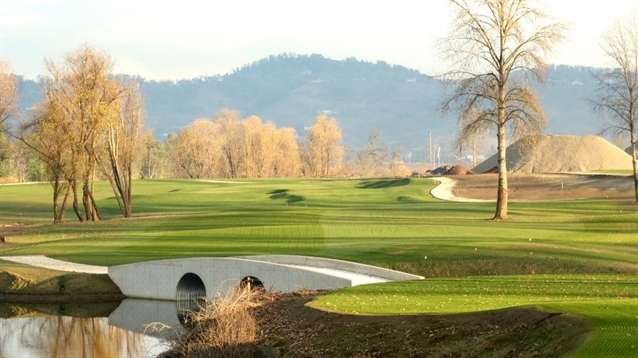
60 215
59 209
76 206
56 195
86 201
128 194
501 197
96 216
634 161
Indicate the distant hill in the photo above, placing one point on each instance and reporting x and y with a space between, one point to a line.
291 90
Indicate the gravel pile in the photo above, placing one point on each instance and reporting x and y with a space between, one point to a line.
560 154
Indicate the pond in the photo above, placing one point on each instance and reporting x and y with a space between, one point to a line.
88 330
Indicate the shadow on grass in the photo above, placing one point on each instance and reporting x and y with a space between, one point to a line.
283 194
382 184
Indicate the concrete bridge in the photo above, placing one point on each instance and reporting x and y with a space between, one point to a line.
192 278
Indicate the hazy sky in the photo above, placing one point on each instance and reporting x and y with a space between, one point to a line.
186 39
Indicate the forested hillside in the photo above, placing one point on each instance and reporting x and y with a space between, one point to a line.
290 90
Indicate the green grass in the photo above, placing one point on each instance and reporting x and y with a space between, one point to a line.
576 256
610 302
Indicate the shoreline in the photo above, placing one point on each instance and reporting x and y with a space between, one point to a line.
59 298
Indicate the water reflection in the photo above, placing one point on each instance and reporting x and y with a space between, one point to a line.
123 333
135 315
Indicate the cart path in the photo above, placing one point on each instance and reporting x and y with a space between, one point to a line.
443 191
54 264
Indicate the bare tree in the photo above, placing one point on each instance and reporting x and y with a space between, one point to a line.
87 121
471 134
496 50
259 147
617 99
324 150
123 136
193 151
154 161
232 133
287 160
8 94
45 134
83 90
370 159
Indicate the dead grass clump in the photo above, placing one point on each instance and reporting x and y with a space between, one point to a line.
222 327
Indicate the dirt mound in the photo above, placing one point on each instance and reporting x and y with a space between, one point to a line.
629 150
559 154
458 170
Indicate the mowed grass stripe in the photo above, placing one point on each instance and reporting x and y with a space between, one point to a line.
456 295
616 323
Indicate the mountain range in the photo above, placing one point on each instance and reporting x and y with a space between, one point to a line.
291 90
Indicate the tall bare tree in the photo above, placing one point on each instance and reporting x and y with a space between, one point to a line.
232 133
324 150
370 159
287 158
495 50
259 147
154 161
617 99
194 150
83 90
45 134
88 120
8 94
124 142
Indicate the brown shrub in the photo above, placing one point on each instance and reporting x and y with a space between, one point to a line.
222 327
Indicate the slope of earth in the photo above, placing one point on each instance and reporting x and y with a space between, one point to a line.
289 328
560 154
546 186
302 331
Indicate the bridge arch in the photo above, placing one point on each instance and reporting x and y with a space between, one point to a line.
190 294
252 282
190 278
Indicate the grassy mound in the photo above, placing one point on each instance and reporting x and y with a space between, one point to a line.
26 283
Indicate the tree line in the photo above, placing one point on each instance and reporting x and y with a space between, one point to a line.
90 122
89 126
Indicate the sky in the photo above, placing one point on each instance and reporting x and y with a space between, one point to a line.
187 39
